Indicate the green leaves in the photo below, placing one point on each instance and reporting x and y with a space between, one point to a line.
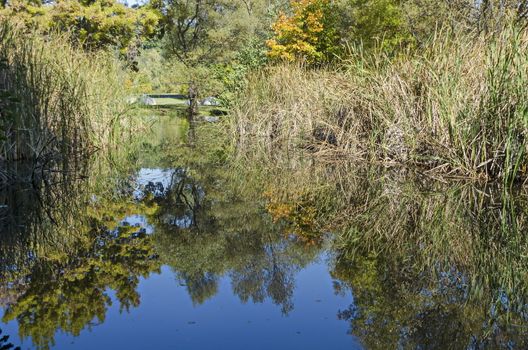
92 24
375 24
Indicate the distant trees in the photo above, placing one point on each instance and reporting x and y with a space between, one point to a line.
216 41
315 31
92 24
215 38
375 23
212 31
187 25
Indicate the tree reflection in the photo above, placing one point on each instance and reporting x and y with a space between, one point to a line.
65 256
204 233
69 294
431 264
66 251
409 312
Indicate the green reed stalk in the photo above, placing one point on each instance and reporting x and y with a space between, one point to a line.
56 100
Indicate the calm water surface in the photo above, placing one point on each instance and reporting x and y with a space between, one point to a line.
259 296
162 247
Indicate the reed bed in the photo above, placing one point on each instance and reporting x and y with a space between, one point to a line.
458 107
55 99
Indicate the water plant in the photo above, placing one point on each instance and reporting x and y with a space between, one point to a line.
459 106
56 100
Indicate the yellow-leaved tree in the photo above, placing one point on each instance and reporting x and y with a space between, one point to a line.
308 34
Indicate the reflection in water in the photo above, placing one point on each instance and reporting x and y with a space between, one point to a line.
69 251
5 344
203 238
429 265
57 276
155 182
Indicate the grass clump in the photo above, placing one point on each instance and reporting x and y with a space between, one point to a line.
459 106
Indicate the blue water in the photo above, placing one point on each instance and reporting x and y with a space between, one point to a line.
231 275
302 316
168 319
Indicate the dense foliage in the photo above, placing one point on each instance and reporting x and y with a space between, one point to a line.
309 34
93 24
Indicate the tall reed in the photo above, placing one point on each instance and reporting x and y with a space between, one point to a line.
459 106
54 98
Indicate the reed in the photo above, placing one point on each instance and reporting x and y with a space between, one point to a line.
55 100
459 106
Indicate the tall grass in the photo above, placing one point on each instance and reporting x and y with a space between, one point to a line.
459 106
55 100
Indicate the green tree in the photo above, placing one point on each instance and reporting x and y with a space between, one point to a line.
212 39
374 23
94 25
212 31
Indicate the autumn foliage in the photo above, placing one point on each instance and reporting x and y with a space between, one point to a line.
298 215
308 34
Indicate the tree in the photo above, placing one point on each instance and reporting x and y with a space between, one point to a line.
374 24
206 32
94 24
208 37
308 34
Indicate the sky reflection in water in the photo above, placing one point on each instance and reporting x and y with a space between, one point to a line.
168 319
